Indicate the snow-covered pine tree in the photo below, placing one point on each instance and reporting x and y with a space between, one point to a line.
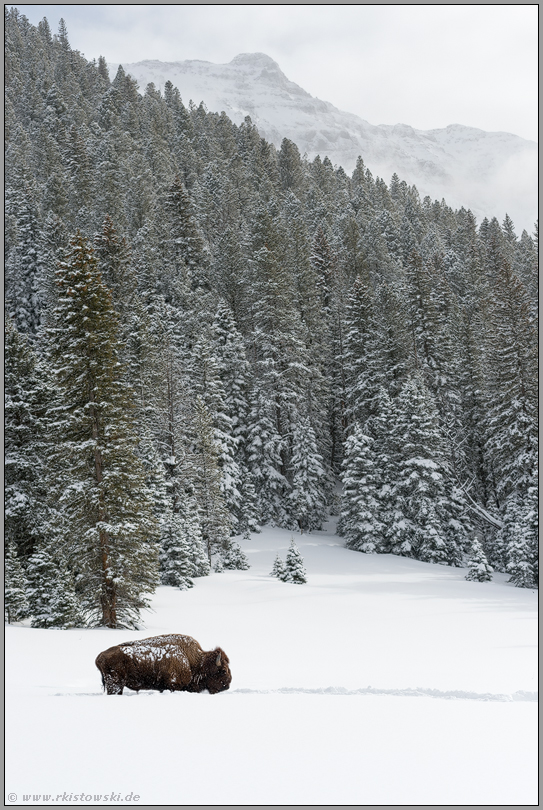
382 428
530 526
420 491
185 246
52 597
117 273
308 301
22 264
264 458
511 387
204 470
176 567
360 329
168 415
517 540
278 340
207 384
109 530
235 376
197 548
15 587
360 521
390 360
53 241
479 569
294 565
175 556
234 558
307 498
27 395
278 568
231 270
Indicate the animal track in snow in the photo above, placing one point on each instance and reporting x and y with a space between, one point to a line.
456 694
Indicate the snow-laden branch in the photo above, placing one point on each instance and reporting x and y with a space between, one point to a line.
479 510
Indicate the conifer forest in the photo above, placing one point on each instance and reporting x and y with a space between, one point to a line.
206 334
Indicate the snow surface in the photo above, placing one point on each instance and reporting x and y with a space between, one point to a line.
382 681
492 173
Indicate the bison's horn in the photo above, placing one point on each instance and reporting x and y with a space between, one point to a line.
218 661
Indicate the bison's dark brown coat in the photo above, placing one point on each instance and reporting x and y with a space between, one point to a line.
172 662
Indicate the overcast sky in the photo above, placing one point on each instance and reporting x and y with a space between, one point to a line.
427 66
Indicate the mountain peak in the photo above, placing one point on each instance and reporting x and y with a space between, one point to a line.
487 172
256 60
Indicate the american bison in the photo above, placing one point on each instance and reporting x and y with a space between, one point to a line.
172 662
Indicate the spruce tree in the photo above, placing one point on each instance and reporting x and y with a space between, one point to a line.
22 265
517 542
175 565
15 587
479 569
27 397
360 319
420 491
360 521
235 376
109 530
278 568
185 245
234 558
204 469
265 447
511 373
197 550
54 599
307 498
207 384
294 566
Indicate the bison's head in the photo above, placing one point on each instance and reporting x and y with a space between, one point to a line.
215 673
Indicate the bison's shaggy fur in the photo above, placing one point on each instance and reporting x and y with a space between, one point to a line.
172 662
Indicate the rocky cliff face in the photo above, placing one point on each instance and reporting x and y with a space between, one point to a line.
490 172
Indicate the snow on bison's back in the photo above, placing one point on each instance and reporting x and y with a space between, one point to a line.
172 662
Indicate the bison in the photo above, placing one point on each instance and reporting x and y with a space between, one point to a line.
172 662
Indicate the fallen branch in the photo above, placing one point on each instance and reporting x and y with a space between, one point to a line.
478 509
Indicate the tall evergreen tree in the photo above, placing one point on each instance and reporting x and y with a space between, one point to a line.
423 507
15 587
307 498
27 396
206 476
360 521
109 530
511 365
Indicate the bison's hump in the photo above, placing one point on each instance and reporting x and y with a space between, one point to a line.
168 639
158 648
149 652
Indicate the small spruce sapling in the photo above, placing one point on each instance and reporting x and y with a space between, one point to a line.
278 569
295 570
479 569
234 558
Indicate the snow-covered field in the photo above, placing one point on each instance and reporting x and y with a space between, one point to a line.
381 681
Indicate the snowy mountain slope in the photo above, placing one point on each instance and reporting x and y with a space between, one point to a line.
490 172
383 681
